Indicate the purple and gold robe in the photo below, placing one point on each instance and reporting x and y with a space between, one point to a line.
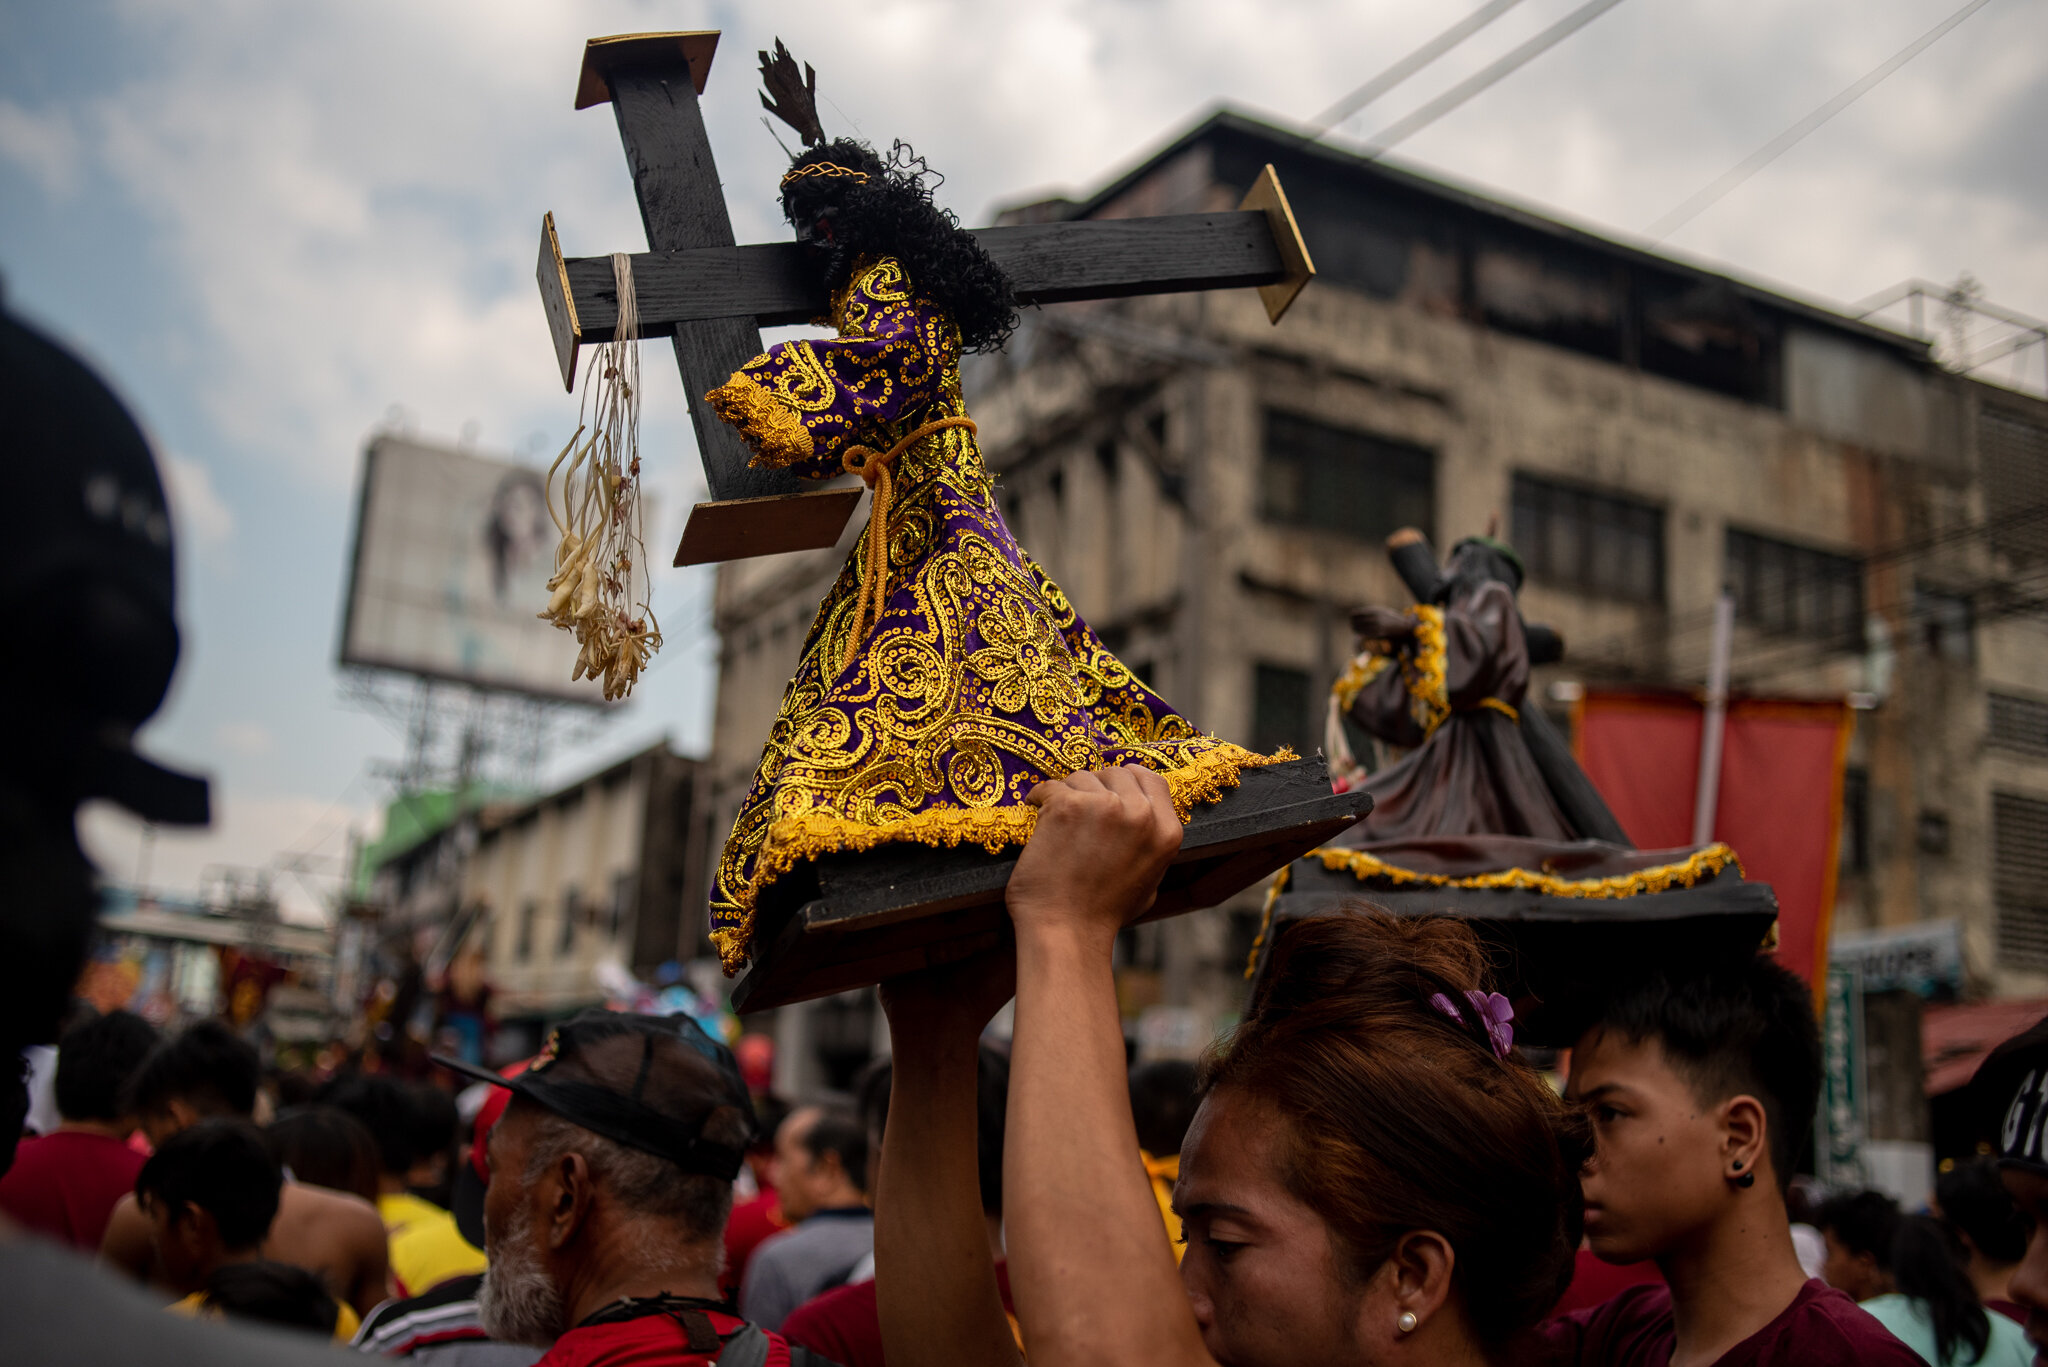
977 680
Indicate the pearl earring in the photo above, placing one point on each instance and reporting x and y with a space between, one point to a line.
1406 1324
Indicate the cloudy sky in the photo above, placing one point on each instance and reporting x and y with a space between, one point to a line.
279 226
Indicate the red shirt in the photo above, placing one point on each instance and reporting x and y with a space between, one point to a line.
1594 1281
844 1324
1820 1328
649 1341
64 1185
752 1222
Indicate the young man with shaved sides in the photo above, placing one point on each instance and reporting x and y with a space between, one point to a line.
1701 1088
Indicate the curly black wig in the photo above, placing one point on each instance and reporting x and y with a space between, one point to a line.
887 209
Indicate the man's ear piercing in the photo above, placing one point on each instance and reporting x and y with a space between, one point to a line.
1406 1324
1743 1179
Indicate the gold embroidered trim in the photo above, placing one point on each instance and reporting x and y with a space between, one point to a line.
794 839
1425 671
776 434
1704 863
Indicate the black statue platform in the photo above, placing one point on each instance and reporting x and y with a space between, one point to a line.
1553 955
847 921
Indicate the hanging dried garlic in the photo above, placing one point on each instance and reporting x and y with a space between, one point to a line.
600 586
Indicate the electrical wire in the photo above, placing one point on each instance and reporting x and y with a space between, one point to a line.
1409 65
1785 141
1401 129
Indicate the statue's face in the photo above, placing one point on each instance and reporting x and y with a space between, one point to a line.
813 221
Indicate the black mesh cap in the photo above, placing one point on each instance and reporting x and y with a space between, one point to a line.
2010 1096
652 1083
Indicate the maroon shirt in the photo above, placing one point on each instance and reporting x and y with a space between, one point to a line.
1595 1282
1821 1328
845 1325
65 1185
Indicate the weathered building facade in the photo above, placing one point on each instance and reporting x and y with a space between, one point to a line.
1213 494
594 872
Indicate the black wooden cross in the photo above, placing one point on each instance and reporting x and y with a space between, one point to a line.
713 297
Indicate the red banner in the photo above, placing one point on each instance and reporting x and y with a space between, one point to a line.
1780 800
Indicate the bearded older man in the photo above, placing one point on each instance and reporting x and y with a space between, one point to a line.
611 1180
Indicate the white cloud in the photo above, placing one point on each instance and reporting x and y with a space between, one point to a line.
45 144
199 514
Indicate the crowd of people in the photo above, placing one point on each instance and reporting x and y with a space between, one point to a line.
1367 1170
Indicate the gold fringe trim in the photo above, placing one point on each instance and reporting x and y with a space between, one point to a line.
1426 675
1273 891
776 434
794 839
1701 864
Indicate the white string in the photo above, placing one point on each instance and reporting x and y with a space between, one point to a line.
600 587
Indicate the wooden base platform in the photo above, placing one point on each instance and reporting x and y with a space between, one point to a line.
1554 956
851 920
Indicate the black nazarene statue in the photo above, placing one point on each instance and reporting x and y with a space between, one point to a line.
1487 816
945 675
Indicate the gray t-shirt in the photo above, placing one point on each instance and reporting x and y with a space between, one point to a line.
797 1264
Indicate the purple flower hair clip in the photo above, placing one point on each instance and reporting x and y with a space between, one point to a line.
1494 1010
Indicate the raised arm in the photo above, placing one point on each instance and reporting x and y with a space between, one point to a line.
935 1277
1090 1270
800 402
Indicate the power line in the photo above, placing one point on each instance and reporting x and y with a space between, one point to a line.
1402 129
1409 65
1785 141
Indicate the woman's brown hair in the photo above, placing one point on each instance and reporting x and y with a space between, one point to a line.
1404 1118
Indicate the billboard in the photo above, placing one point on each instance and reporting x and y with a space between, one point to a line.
452 556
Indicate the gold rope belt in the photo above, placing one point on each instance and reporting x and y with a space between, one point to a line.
874 466
1506 709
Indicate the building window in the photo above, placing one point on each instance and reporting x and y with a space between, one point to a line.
1854 852
2019 879
1947 624
1793 590
1281 710
622 904
1106 457
2018 724
571 903
2013 452
1337 480
1598 543
522 947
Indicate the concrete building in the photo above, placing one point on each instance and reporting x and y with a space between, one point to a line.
594 872
1213 492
